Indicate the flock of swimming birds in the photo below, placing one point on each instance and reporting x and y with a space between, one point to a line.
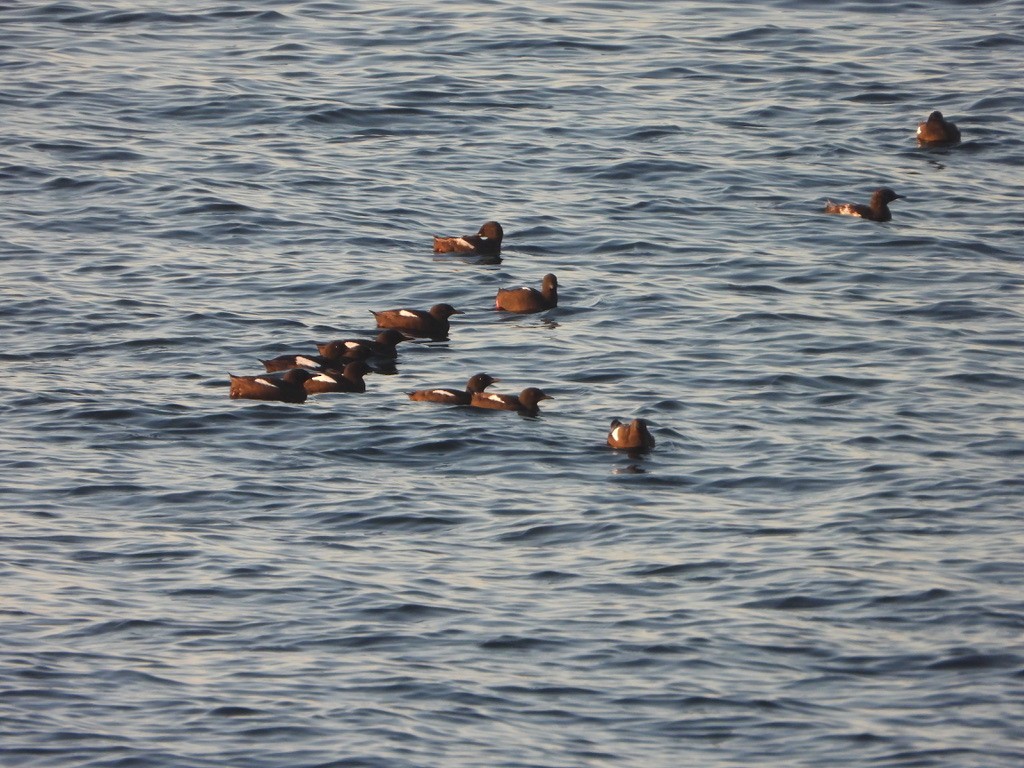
341 365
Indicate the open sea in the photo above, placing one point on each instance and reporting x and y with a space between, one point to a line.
820 564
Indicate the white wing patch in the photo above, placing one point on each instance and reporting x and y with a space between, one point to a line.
306 362
616 432
442 392
407 313
464 243
495 398
266 382
352 344
325 377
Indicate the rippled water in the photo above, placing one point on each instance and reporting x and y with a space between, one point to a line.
820 563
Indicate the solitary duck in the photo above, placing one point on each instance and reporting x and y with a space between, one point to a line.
527 300
526 402
634 436
486 242
385 345
477 383
876 210
287 386
350 379
936 130
432 324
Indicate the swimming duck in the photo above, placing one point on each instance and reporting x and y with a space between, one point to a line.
349 379
486 242
526 402
477 383
333 357
432 324
634 436
527 300
385 345
876 210
286 362
936 130
286 386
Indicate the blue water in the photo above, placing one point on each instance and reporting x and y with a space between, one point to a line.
819 565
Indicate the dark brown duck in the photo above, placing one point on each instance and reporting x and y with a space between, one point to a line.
350 379
432 324
876 210
286 386
937 130
634 436
486 242
338 359
286 362
527 300
476 384
526 402
384 345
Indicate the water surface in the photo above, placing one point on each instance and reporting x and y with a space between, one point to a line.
819 565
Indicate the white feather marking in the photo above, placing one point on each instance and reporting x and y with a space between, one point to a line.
495 398
442 392
464 242
615 433
407 313
325 377
306 362
352 344
266 382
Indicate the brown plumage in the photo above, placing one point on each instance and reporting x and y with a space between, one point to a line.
350 379
634 436
338 354
526 402
286 362
486 242
432 324
529 299
876 210
332 355
478 383
385 345
937 130
286 386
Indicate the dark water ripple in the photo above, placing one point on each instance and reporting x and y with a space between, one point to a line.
818 565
